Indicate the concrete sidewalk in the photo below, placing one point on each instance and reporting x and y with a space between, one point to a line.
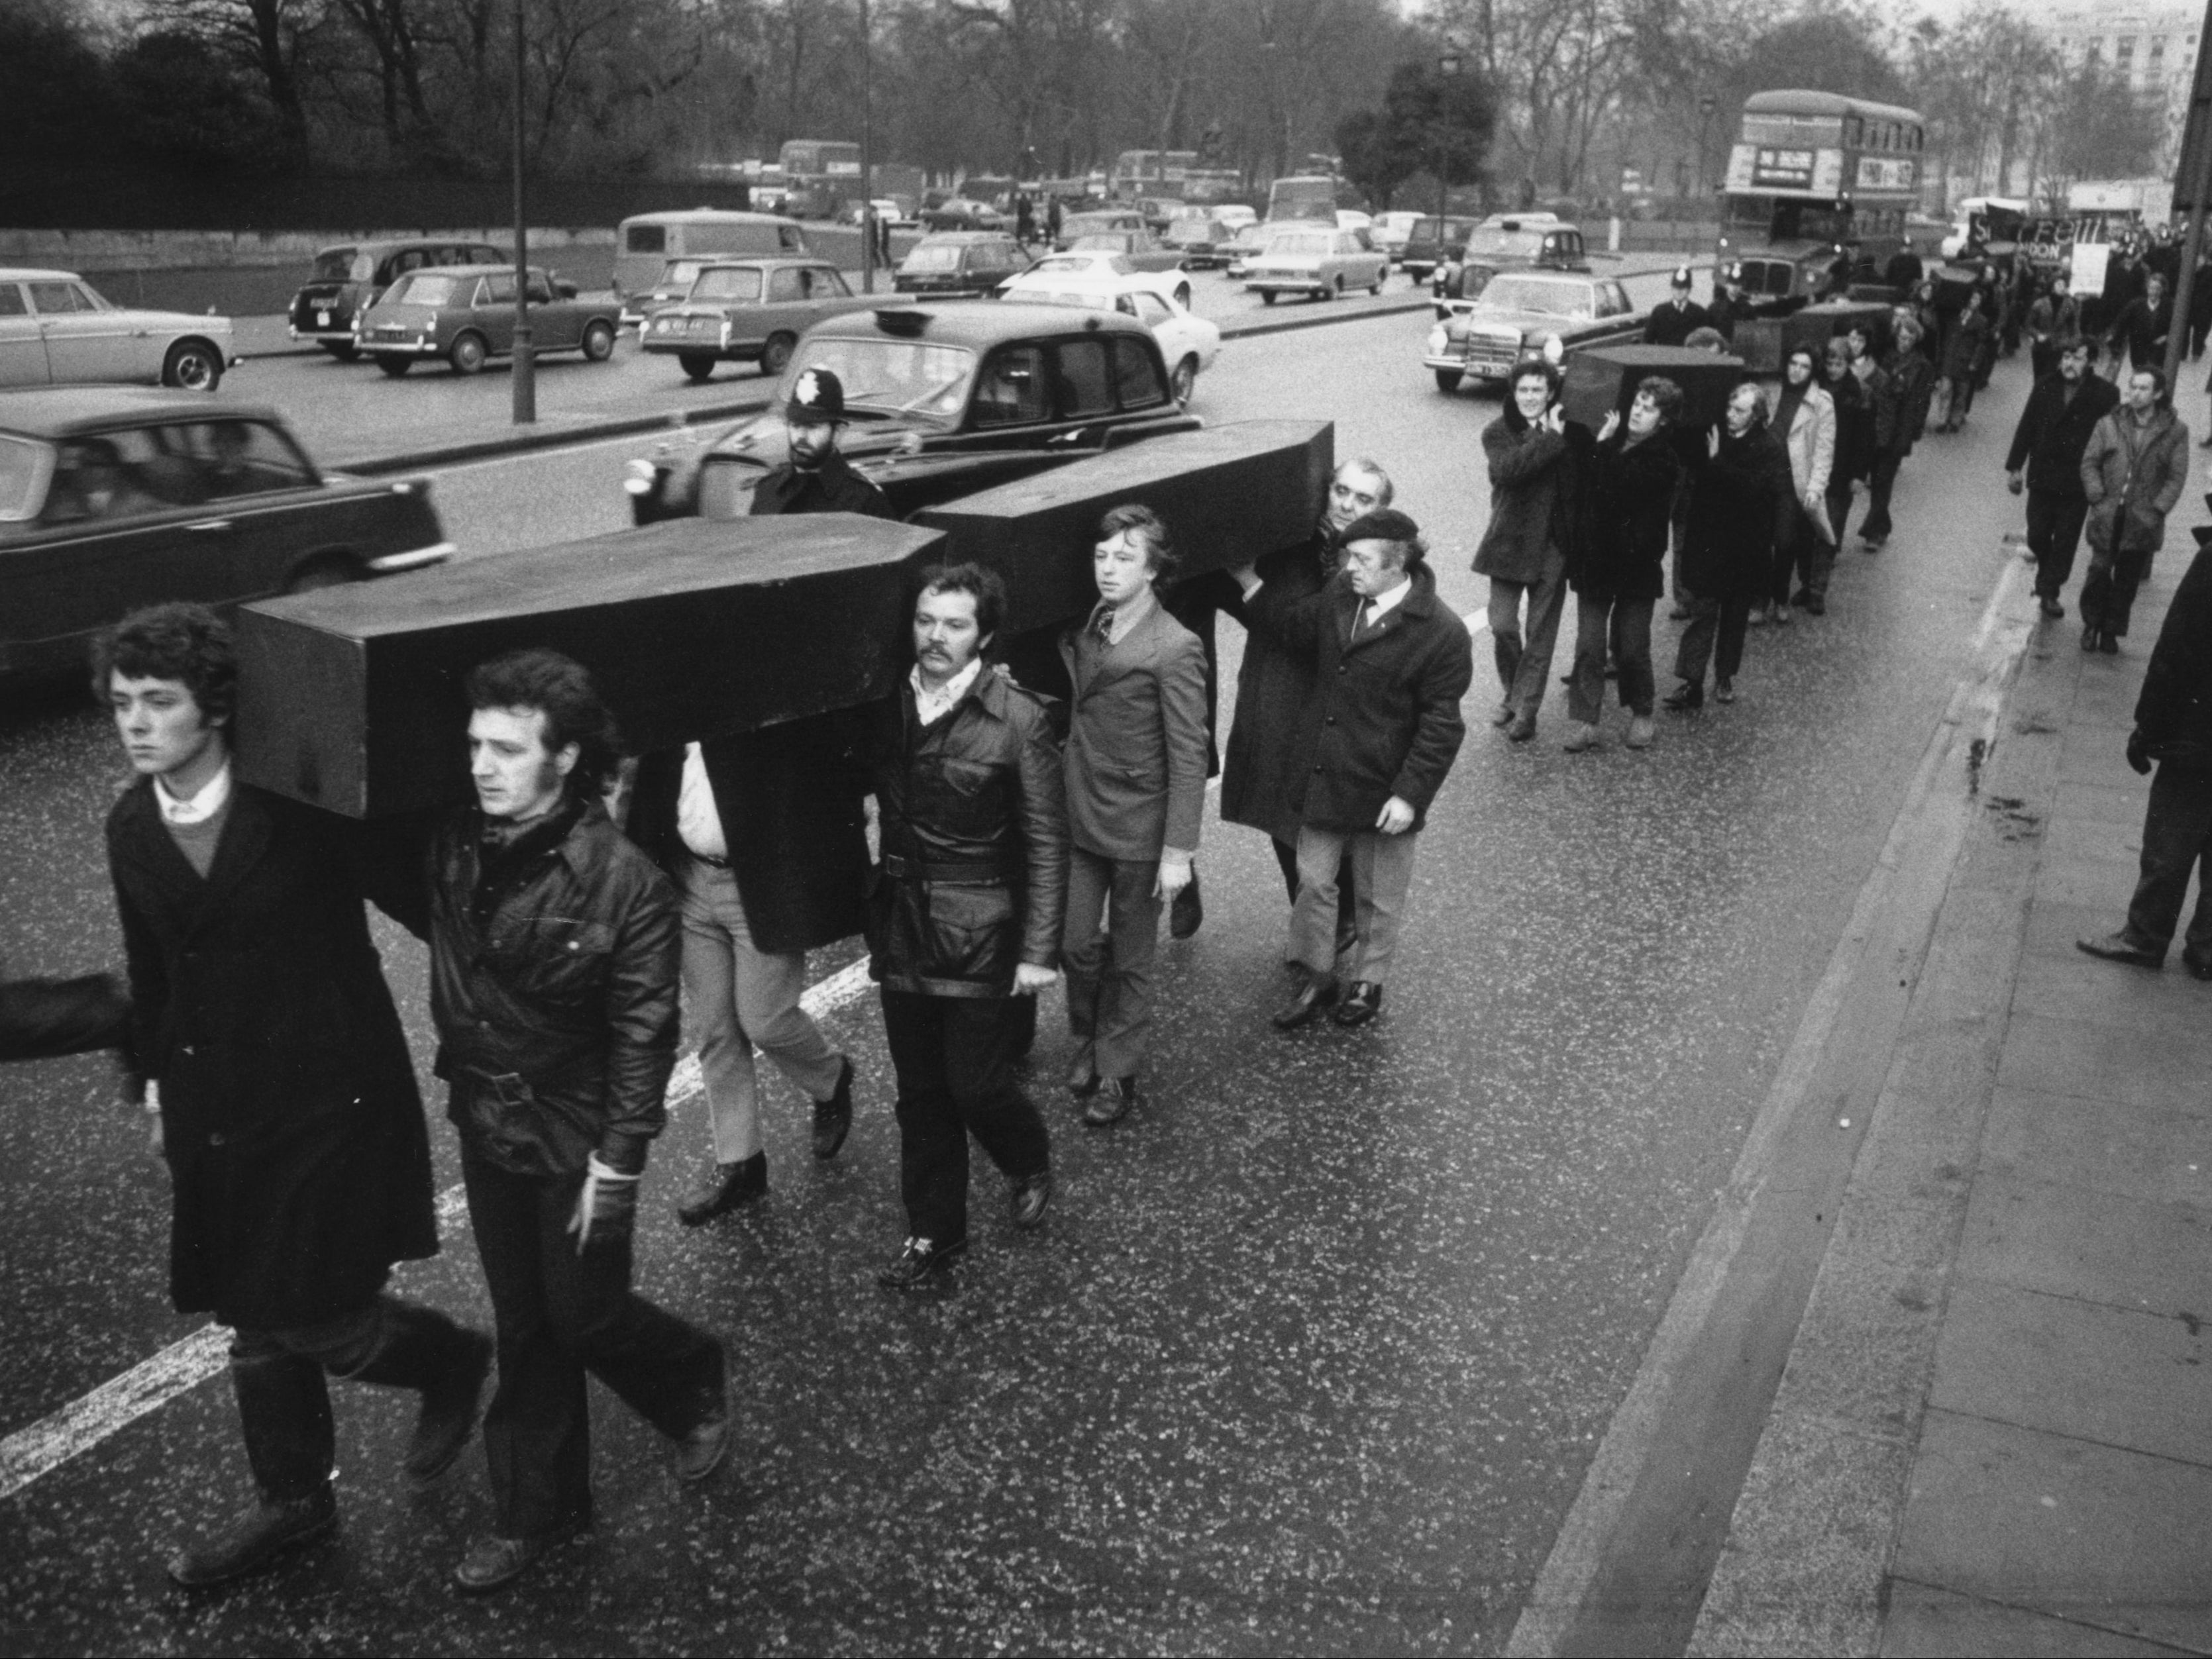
1995 1431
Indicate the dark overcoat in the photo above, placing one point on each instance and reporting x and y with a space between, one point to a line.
1738 506
1263 771
2174 713
293 1128
2054 432
1622 551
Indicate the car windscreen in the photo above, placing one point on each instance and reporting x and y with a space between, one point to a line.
1504 244
728 282
1545 299
1298 246
678 275
418 288
887 376
23 467
943 256
336 265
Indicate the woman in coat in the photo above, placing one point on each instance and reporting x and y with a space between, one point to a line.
1962 356
1743 489
1854 459
1619 570
2132 472
1805 419
1901 416
1524 550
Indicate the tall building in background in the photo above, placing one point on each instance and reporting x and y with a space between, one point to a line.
2156 50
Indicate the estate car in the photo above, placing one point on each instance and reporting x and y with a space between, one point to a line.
1315 261
750 311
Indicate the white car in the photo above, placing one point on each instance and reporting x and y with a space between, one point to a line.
1391 229
1353 218
56 330
1315 261
1235 215
1188 343
1056 270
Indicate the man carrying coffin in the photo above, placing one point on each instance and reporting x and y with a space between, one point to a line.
816 478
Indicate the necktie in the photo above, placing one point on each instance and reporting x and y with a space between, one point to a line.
1102 625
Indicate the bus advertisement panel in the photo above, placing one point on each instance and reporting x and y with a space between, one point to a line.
1813 175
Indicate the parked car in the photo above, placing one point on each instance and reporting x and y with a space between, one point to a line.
1097 223
1317 262
349 277
1510 244
1187 342
1202 241
1143 250
675 281
948 263
749 310
1524 313
1433 242
56 330
114 497
466 315
942 400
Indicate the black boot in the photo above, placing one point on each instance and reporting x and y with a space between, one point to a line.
421 1348
285 1414
729 1186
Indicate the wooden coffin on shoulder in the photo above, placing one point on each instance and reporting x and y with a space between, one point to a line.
349 697
1604 378
1228 495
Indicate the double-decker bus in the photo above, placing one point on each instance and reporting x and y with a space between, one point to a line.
1814 175
821 175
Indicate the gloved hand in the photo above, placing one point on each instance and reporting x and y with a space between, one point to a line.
607 1203
2138 753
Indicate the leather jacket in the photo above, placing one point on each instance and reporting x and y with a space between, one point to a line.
553 973
973 821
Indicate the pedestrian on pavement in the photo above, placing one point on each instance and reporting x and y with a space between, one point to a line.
1136 795
555 951
1676 318
764 836
968 907
1392 663
1805 419
1900 417
2055 315
816 478
1532 502
2132 473
1052 220
298 1159
1743 490
1261 771
1619 571
2048 445
1853 460
2141 327
2173 731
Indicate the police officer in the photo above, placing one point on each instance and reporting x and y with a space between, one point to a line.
1680 317
816 478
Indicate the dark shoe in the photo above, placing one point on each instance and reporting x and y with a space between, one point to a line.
729 1186
1031 1197
493 1562
1725 691
448 1416
2118 947
833 1118
2108 642
2199 967
1503 717
2051 607
1112 1102
1524 727
1083 1076
1317 994
1801 596
2089 638
919 1259
700 1452
1684 697
1360 1004
1188 910
1816 605
255 1540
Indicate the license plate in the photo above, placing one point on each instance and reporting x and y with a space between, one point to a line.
322 319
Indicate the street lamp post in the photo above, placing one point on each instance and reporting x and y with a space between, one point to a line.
1705 106
867 160
1447 65
525 378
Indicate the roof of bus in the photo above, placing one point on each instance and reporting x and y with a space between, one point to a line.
1825 103
708 215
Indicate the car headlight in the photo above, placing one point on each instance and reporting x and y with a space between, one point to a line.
641 477
1555 350
1437 339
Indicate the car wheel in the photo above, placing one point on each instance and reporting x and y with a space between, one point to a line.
1184 381
1448 381
467 355
698 366
1182 295
193 365
393 366
1267 296
345 350
326 570
776 354
598 342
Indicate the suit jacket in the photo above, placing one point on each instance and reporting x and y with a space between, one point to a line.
298 1159
1136 741
1384 717
789 799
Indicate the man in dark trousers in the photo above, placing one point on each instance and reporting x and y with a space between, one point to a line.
1392 663
2173 731
2141 327
966 912
2045 460
554 951
816 478
1676 318
298 1159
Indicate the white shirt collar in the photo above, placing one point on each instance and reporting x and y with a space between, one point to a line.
1383 604
931 706
197 808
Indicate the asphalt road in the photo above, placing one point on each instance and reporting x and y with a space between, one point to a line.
1312 1354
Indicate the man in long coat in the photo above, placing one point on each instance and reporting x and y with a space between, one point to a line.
290 1119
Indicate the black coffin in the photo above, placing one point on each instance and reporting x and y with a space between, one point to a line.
1766 343
1603 378
1228 495
349 697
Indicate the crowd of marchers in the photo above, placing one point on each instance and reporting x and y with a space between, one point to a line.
987 840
